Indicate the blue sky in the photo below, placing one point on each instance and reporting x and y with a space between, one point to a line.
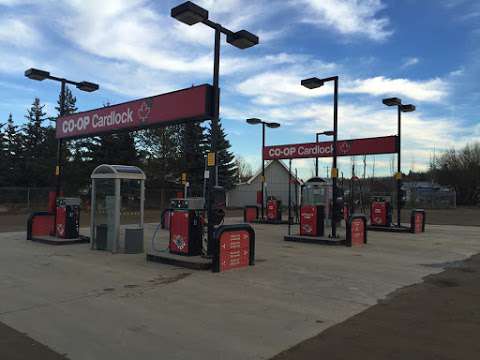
423 51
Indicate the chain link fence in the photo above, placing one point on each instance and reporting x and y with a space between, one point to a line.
18 200
431 199
21 199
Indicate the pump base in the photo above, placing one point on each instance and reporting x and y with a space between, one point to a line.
321 240
189 262
393 228
52 240
270 222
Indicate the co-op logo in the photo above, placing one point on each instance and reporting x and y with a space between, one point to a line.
81 123
291 151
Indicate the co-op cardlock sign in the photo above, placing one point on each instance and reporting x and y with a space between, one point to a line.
191 104
366 146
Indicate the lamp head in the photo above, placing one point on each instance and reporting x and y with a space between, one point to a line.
312 83
242 39
189 13
254 121
87 86
36 74
408 108
394 101
273 125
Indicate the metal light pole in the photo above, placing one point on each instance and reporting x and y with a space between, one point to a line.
398 176
316 159
40 75
272 125
334 168
263 171
327 133
399 164
58 166
190 14
313 83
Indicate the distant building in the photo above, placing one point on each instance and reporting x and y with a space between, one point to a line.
276 178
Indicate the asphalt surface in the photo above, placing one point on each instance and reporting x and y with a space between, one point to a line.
15 345
436 319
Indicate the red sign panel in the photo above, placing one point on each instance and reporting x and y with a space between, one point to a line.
358 232
179 232
418 222
366 146
191 104
234 249
308 220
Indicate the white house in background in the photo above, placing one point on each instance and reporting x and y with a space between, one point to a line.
276 178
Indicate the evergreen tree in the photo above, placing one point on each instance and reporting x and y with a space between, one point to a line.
227 169
38 155
116 149
70 102
12 149
161 157
161 154
194 146
3 153
74 175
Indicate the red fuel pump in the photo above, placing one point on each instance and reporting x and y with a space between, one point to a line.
316 196
68 218
381 211
274 210
185 233
312 220
186 226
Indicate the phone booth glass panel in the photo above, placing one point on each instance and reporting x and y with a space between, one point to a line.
118 197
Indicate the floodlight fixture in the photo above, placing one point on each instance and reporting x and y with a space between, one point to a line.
327 133
189 13
312 83
394 101
254 121
242 39
87 86
272 125
36 74
39 75
408 108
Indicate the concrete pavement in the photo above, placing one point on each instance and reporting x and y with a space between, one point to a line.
95 305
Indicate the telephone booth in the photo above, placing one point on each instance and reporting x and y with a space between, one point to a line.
117 208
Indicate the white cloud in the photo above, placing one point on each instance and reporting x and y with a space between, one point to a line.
421 133
129 31
433 90
16 32
410 62
273 88
13 63
349 17
283 86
